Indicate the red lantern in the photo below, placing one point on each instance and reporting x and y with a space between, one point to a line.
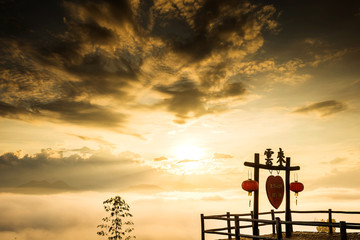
296 187
250 186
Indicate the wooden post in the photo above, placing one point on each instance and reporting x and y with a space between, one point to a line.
228 224
287 195
237 228
330 221
256 195
343 235
202 227
278 229
273 219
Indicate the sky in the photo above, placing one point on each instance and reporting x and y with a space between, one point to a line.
162 102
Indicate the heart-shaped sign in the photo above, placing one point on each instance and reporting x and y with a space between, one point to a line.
275 190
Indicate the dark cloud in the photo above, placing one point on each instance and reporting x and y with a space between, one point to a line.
187 99
84 169
82 113
210 27
99 171
324 108
10 111
184 98
95 139
214 74
233 90
52 60
92 32
111 11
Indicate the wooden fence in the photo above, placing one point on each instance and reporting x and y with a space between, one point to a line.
233 224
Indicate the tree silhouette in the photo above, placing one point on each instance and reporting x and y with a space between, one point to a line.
113 225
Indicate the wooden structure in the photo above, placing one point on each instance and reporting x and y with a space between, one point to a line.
287 168
236 222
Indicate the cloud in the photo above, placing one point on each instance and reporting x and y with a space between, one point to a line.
184 99
324 108
100 171
213 198
93 57
162 158
85 169
337 160
186 161
276 71
95 139
10 111
82 113
222 156
344 196
144 188
346 178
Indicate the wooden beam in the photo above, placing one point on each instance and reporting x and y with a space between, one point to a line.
263 166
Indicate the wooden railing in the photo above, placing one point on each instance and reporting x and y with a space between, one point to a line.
233 226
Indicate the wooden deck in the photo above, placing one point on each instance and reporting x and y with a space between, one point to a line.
313 236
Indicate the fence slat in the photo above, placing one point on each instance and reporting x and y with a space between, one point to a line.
237 229
228 225
202 227
278 229
277 223
273 218
330 221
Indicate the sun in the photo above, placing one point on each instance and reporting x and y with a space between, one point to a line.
189 152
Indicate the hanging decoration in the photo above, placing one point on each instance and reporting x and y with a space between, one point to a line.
250 186
275 190
296 187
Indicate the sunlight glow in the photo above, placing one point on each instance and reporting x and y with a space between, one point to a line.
189 152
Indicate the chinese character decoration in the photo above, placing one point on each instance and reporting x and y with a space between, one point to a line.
281 157
268 158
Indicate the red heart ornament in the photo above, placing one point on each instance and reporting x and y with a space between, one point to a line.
275 190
